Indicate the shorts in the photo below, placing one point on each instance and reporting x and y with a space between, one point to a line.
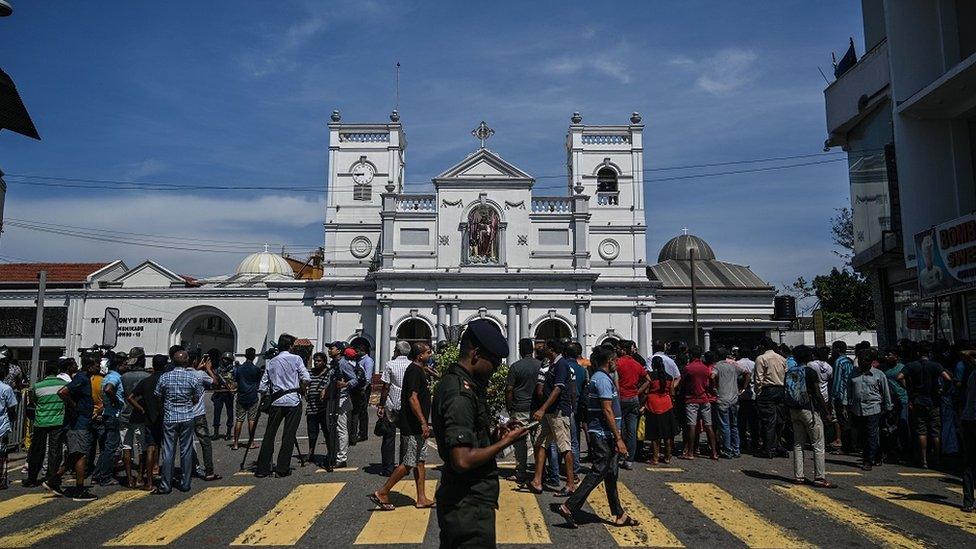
152 435
79 441
414 450
554 429
243 412
132 437
4 441
695 410
925 420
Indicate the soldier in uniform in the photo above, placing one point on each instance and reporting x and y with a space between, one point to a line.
468 440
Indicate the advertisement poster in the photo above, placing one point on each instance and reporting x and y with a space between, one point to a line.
946 257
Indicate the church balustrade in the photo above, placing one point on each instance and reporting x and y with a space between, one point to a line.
552 204
607 199
605 139
364 137
416 203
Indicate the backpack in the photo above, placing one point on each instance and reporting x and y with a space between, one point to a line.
795 385
360 377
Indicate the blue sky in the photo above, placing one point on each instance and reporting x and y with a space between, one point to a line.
239 93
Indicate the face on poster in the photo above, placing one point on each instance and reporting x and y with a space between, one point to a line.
946 257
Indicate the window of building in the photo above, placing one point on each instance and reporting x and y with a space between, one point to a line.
414 237
362 192
606 187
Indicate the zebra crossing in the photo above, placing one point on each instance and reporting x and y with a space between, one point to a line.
522 518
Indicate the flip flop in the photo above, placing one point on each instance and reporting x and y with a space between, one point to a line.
380 505
431 505
213 477
631 521
532 489
686 458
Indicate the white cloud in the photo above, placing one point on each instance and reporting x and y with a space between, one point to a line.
242 224
145 168
722 72
607 64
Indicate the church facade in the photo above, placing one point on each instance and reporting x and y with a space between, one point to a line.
402 265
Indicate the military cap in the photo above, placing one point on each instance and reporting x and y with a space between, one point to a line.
341 345
489 337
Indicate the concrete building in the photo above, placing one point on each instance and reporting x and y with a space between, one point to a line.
906 114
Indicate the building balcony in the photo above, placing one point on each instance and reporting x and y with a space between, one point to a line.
950 96
416 203
607 198
856 93
552 204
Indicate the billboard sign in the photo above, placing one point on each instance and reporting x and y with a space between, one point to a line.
945 256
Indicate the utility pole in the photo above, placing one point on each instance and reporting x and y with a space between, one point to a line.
694 297
38 326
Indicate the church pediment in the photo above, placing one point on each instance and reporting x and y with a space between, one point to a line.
484 165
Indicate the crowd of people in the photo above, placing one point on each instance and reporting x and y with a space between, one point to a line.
135 418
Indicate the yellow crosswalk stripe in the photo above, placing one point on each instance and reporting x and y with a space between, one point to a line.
651 532
70 520
172 523
292 516
665 469
736 517
955 489
929 506
875 529
24 502
924 474
519 520
405 524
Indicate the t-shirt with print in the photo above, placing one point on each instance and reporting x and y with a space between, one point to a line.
601 388
414 381
559 376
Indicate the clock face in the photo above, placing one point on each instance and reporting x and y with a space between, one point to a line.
362 173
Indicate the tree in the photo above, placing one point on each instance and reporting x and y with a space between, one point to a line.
844 294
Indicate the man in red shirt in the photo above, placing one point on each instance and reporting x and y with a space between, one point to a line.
632 379
699 394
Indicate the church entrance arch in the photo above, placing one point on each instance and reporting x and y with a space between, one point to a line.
552 328
204 328
414 330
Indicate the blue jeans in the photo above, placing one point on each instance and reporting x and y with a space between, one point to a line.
728 422
223 400
630 410
553 463
105 466
181 432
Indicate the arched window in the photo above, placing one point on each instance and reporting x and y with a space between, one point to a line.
606 187
552 328
414 330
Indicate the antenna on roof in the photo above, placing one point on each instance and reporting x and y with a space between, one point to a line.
396 101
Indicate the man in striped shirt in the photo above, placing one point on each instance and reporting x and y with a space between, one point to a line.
48 426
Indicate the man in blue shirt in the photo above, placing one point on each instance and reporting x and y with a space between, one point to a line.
112 404
606 442
247 376
80 406
555 415
359 429
8 408
180 390
285 376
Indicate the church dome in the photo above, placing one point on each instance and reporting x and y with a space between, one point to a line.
680 247
265 263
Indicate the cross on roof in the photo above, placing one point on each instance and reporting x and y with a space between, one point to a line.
684 230
482 133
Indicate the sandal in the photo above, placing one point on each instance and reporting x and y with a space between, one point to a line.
567 516
822 483
430 505
532 489
631 521
799 480
212 477
380 505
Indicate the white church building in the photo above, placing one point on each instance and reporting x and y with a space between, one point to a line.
401 265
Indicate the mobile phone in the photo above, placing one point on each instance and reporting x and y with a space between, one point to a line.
531 425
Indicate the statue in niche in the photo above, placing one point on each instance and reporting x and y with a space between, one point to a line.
483 235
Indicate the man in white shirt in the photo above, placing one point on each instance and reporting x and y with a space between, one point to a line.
670 367
389 405
284 377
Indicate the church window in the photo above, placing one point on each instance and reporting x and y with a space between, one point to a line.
362 193
606 187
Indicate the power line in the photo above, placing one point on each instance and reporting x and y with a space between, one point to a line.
81 183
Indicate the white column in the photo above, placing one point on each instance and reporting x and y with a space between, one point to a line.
454 314
441 321
581 323
707 333
642 345
511 327
384 332
524 321
325 336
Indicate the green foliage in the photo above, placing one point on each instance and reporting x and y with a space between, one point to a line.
846 300
496 386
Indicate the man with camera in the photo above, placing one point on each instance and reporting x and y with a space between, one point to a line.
284 378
